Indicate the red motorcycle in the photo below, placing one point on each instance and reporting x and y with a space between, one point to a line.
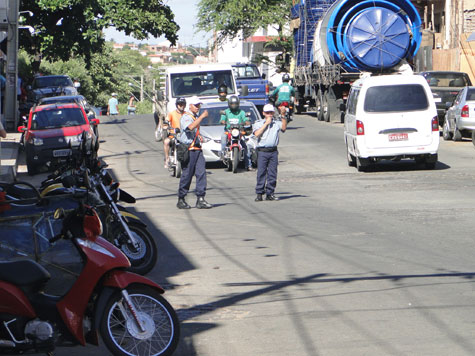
126 309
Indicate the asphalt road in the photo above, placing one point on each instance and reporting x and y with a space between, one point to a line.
346 263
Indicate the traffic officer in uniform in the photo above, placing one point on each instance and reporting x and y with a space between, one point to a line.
267 132
190 135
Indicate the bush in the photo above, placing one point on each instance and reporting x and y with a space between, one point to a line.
144 107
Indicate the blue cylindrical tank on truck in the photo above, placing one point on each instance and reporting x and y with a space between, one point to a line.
336 40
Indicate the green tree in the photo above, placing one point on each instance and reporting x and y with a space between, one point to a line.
229 18
71 28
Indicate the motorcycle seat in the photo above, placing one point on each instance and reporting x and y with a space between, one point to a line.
25 273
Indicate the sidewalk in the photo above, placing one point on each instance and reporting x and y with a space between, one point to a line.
9 157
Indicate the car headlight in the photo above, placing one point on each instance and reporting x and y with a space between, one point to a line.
235 133
205 139
36 141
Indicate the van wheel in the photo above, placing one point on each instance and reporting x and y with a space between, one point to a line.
473 137
457 134
446 134
351 158
362 164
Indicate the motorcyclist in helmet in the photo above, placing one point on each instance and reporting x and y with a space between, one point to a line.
235 116
173 121
222 92
283 93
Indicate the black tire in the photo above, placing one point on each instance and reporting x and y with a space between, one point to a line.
457 136
325 108
121 335
350 157
144 258
473 137
446 134
318 105
362 164
235 161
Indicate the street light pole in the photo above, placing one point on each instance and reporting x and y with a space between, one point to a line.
141 87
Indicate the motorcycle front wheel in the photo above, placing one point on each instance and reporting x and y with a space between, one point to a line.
144 257
121 334
235 162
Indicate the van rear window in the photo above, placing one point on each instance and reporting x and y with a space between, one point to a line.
404 97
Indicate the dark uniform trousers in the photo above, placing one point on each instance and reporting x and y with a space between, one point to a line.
196 166
267 171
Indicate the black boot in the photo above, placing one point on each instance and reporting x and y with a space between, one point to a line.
182 204
201 203
271 197
258 197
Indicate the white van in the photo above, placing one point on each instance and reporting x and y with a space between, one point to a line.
391 117
201 80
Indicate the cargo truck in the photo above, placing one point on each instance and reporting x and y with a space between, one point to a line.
338 40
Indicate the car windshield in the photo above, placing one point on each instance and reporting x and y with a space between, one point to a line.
400 98
56 118
201 83
446 79
57 101
214 114
44 82
246 71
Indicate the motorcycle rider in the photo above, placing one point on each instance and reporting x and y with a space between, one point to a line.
223 92
283 93
173 121
235 116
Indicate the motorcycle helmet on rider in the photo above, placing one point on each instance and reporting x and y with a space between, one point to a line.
286 77
233 103
223 92
179 102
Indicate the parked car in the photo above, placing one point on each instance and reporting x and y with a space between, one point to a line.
445 85
211 129
391 117
460 117
50 85
78 99
54 132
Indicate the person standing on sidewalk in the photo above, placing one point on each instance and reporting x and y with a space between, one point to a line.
267 133
195 166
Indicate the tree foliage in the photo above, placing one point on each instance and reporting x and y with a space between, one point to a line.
229 18
69 28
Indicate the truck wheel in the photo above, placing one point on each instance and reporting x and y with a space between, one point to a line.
325 108
319 105
473 137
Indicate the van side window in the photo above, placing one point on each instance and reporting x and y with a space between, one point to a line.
388 98
352 101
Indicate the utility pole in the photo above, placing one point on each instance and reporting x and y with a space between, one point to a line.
11 103
141 87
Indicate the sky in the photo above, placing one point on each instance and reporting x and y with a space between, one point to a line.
185 16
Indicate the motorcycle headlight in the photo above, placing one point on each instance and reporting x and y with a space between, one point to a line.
235 133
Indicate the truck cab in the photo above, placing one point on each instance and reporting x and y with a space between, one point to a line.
201 80
258 87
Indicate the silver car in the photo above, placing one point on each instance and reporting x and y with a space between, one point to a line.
460 116
211 129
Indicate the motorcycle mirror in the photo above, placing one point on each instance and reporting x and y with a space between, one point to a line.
59 214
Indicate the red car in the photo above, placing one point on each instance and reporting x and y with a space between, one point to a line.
53 132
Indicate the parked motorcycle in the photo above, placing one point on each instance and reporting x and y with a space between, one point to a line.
122 228
127 310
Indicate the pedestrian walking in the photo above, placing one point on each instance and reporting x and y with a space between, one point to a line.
195 164
113 107
131 106
267 131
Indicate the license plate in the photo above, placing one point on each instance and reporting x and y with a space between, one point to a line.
437 100
398 137
61 153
